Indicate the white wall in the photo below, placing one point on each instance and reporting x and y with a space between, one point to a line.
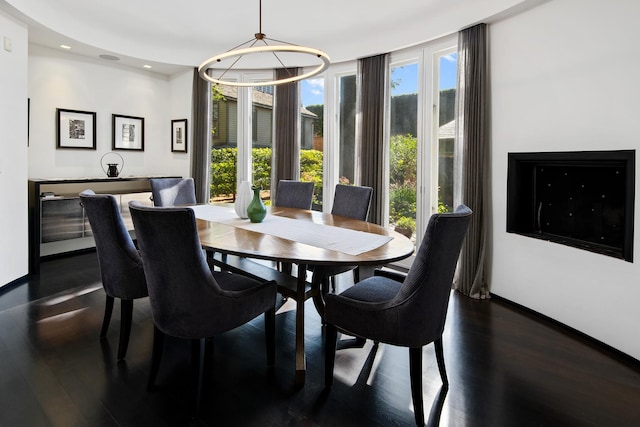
180 93
53 79
13 151
64 80
565 77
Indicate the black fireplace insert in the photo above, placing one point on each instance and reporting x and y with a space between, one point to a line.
583 199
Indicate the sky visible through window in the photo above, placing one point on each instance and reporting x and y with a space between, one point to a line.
312 90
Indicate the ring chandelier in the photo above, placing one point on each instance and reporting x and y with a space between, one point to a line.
238 52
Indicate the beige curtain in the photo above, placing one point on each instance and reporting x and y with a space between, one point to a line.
472 157
201 139
372 105
286 144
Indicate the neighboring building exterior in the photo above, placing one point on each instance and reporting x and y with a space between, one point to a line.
225 119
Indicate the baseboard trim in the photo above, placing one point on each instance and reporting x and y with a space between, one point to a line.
616 354
14 284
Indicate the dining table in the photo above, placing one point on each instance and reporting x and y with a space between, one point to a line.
304 238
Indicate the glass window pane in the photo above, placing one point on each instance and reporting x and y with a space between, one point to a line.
403 149
447 72
347 129
312 139
261 138
224 143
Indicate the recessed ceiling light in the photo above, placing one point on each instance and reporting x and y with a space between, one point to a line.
110 57
64 46
147 66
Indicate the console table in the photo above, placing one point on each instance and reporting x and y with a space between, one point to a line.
57 223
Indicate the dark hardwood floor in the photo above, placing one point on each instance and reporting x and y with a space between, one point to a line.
506 367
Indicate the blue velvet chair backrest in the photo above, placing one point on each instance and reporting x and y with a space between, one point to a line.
294 194
120 263
352 201
173 191
186 300
424 295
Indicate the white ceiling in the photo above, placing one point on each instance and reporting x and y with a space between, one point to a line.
173 35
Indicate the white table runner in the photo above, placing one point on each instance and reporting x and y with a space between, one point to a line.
323 236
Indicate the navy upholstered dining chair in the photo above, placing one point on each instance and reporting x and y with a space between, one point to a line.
294 194
409 312
172 191
120 264
350 201
189 300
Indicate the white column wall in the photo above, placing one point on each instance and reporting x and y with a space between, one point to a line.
13 151
564 78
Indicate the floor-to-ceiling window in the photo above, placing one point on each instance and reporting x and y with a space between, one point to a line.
346 119
312 136
403 147
421 126
421 163
420 131
224 143
421 137
261 120
338 129
446 62
241 136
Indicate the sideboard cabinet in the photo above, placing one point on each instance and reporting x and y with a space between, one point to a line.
57 222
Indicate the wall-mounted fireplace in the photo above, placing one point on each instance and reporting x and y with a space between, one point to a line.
583 199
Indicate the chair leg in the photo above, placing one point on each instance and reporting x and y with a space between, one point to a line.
326 283
156 354
415 372
356 275
270 335
108 309
286 267
197 365
437 344
356 279
331 337
126 316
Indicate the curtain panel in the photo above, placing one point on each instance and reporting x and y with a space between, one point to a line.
201 137
286 141
371 126
472 157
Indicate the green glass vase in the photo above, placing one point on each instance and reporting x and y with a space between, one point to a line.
256 211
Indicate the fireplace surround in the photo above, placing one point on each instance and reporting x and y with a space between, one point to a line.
583 199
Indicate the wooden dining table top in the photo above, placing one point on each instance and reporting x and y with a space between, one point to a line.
230 239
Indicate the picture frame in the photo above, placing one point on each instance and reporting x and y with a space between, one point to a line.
127 132
75 129
179 136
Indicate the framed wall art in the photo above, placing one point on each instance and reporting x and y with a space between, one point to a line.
179 135
128 133
75 129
